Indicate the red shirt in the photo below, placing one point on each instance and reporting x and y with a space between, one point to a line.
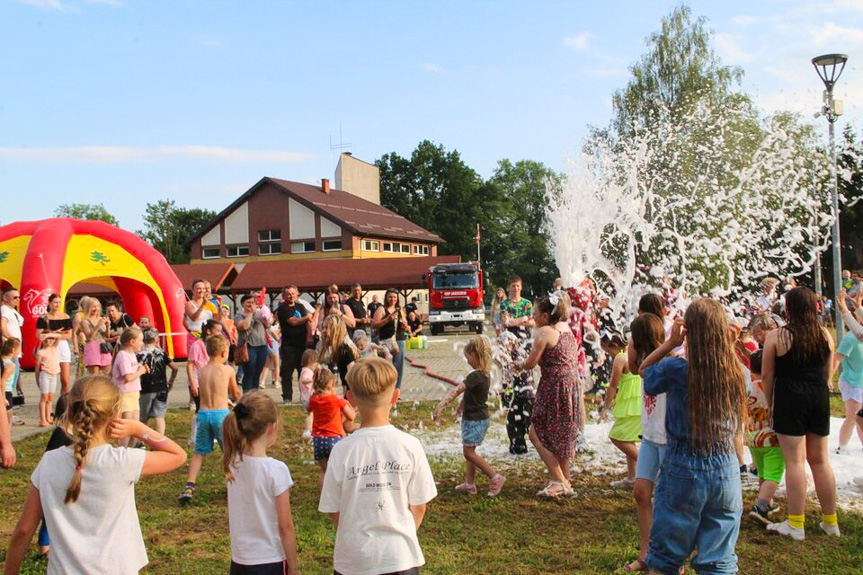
327 415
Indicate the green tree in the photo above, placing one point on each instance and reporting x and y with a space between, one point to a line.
86 212
438 191
168 228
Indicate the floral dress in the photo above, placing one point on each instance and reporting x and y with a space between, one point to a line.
557 411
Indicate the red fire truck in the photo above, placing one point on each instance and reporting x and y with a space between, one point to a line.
455 296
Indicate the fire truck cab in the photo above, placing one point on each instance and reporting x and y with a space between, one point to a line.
455 296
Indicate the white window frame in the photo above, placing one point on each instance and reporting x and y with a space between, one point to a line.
204 255
269 246
326 249
237 249
304 250
406 249
269 237
371 246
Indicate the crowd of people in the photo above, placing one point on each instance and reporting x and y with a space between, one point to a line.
693 384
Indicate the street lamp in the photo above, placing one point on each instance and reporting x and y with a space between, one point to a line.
829 68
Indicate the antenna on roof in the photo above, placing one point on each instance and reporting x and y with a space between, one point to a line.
342 145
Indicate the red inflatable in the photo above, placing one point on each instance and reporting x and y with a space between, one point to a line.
51 256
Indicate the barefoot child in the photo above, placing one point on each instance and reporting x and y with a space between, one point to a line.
7 450
48 376
378 482
763 445
327 409
215 381
197 359
263 539
623 399
475 418
126 374
87 492
309 363
9 350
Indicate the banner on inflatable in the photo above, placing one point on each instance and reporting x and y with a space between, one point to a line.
51 256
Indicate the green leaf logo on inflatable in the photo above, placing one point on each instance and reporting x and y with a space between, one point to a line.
98 257
3 256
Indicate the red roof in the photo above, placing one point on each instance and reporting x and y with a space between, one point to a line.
216 274
313 275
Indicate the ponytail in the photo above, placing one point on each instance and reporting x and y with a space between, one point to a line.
94 402
248 421
556 305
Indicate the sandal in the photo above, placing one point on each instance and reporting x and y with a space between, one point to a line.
637 566
553 490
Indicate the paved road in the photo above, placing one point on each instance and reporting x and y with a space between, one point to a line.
443 356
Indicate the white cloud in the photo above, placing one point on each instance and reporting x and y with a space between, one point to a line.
106 2
743 20
120 155
434 68
731 49
45 4
833 35
579 43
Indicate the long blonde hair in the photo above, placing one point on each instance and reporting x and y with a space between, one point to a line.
248 421
334 333
480 347
94 402
717 394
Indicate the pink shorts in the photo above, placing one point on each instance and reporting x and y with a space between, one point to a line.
305 392
93 356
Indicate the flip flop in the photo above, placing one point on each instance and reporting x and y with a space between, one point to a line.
553 490
640 566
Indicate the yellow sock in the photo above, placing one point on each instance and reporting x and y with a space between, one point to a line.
796 521
829 519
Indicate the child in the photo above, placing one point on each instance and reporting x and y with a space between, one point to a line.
763 445
327 410
698 497
215 381
154 384
60 437
48 376
87 492
475 420
9 351
648 333
263 539
368 349
126 374
378 482
518 392
309 363
623 399
198 358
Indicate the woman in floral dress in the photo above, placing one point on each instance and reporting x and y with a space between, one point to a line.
556 413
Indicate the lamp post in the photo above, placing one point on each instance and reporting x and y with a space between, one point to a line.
829 68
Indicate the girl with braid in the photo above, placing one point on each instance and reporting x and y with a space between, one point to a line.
86 492
698 499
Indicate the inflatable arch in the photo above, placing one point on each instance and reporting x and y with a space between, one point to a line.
51 256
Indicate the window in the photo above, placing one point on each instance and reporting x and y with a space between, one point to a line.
371 246
268 249
210 253
302 247
394 247
406 248
332 245
237 251
269 235
423 250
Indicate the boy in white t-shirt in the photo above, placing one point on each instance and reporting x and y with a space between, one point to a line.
378 482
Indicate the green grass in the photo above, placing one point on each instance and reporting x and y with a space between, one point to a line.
513 534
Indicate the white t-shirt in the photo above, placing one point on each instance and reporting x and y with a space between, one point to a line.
14 321
653 418
252 510
372 476
99 533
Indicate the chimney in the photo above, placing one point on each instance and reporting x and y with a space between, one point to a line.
325 186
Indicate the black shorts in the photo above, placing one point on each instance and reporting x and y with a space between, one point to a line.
801 407
9 402
280 568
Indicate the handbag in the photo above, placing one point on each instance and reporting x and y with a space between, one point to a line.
106 347
241 353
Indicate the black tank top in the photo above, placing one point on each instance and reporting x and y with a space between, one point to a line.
811 373
388 329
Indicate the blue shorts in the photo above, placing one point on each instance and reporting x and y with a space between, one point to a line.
473 432
650 457
209 428
323 445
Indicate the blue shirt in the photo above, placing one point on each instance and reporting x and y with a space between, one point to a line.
851 350
669 376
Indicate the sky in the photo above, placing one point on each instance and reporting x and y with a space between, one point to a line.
125 102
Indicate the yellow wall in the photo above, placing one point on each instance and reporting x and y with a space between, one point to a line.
12 252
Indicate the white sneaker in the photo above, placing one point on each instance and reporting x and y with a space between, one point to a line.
625 483
832 530
785 528
307 434
841 450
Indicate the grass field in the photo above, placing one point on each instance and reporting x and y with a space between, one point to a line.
512 534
